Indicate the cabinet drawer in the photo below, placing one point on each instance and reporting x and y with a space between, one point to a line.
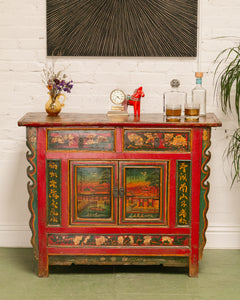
81 139
157 140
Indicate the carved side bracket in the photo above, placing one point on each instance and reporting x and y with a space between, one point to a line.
32 186
205 185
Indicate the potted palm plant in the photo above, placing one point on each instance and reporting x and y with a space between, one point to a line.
227 82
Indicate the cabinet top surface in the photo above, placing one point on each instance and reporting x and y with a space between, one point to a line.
41 119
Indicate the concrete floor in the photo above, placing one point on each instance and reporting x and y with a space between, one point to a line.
219 278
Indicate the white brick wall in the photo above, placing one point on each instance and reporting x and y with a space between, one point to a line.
22 56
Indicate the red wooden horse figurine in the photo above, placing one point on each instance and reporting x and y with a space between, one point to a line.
135 100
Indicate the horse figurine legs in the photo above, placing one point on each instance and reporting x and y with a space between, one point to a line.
136 106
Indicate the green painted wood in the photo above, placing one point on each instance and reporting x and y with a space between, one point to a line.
204 189
53 181
31 141
183 193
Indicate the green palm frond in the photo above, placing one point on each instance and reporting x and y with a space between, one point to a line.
233 152
227 80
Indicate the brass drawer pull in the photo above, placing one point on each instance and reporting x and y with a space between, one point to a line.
121 192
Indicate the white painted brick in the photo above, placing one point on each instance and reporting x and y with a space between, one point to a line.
22 57
221 3
22 32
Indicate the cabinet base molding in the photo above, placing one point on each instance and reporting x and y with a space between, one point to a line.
173 261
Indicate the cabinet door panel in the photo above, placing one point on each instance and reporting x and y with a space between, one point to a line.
92 197
143 192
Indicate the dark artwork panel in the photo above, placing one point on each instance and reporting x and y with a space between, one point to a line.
122 28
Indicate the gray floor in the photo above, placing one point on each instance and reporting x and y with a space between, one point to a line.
219 278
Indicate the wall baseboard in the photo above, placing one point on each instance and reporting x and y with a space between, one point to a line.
223 237
15 236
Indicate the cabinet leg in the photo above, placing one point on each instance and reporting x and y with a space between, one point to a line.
193 268
43 273
43 269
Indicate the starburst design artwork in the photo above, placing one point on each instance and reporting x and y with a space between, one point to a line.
122 28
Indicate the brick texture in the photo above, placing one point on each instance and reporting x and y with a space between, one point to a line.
22 57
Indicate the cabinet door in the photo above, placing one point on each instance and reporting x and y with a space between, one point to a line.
143 192
92 192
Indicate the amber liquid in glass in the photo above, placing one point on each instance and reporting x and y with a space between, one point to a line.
173 112
173 115
191 114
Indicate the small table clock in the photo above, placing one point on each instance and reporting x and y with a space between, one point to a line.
118 98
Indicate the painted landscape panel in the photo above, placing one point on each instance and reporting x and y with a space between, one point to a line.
142 198
93 192
81 140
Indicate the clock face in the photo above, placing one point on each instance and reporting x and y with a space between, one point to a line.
117 96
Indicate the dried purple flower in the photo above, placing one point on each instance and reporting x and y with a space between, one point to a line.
56 82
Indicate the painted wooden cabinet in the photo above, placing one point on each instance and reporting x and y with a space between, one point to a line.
117 191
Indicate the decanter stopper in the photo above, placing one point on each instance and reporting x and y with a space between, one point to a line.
175 83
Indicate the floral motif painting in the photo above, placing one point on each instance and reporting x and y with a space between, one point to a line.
115 240
157 140
122 28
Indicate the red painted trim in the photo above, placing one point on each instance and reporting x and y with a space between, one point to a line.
176 251
172 194
119 140
118 156
116 199
41 177
196 178
119 230
65 193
